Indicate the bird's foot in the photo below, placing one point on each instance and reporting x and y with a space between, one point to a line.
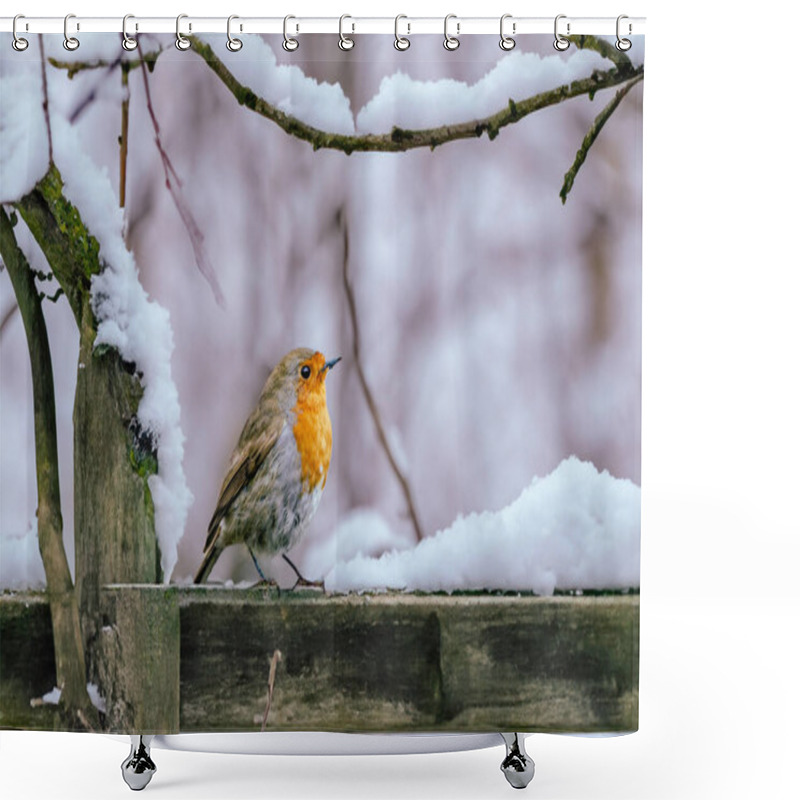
306 584
301 581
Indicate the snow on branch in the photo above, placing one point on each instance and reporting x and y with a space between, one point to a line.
401 139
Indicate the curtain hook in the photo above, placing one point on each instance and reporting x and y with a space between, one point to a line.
345 43
451 42
128 43
401 42
623 44
181 42
561 43
507 42
233 44
289 44
70 42
19 44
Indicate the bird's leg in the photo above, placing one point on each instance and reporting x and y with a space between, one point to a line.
301 581
264 580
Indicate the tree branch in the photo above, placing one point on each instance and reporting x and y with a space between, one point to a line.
400 139
67 635
371 404
46 102
589 139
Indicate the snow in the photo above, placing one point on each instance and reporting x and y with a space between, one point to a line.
21 565
137 327
23 134
362 532
320 105
577 528
53 697
407 103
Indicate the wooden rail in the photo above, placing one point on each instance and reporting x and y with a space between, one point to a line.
197 659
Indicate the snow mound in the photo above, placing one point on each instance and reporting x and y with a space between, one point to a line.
577 528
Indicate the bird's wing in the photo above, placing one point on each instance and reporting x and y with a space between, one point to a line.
241 472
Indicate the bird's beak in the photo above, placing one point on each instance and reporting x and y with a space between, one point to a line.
330 364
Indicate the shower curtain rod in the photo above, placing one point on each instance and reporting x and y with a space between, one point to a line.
407 26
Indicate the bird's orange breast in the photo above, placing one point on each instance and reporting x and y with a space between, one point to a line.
314 438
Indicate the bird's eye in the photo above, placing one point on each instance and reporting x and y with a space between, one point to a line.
305 372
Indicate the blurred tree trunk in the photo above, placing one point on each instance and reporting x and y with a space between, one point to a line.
68 641
115 538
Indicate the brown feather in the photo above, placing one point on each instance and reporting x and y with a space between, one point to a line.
240 473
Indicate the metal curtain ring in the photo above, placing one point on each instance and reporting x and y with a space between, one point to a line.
506 42
70 42
18 43
623 44
181 42
451 42
401 42
128 42
233 44
561 43
345 43
289 44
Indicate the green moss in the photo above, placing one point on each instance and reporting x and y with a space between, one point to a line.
84 247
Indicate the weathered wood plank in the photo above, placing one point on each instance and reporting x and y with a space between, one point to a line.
27 661
389 662
402 662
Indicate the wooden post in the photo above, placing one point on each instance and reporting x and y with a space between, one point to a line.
140 664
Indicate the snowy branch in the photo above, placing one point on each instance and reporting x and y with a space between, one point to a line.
372 405
399 139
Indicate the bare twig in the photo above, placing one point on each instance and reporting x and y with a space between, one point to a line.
372 405
123 137
273 668
591 136
399 139
8 316
175 188
45 102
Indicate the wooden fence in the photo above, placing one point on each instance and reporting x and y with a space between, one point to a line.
197 659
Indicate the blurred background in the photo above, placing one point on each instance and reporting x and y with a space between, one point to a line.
500 330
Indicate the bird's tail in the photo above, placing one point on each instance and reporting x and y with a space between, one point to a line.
209 559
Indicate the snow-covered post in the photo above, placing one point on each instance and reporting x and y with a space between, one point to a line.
68 642
115 540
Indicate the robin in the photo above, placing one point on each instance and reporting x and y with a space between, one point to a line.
279 467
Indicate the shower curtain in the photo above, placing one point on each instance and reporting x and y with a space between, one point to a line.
358 330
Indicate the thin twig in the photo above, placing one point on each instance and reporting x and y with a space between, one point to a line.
372 405
45 102
123 137
589 139
273 668
175 188
8 316
399 139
